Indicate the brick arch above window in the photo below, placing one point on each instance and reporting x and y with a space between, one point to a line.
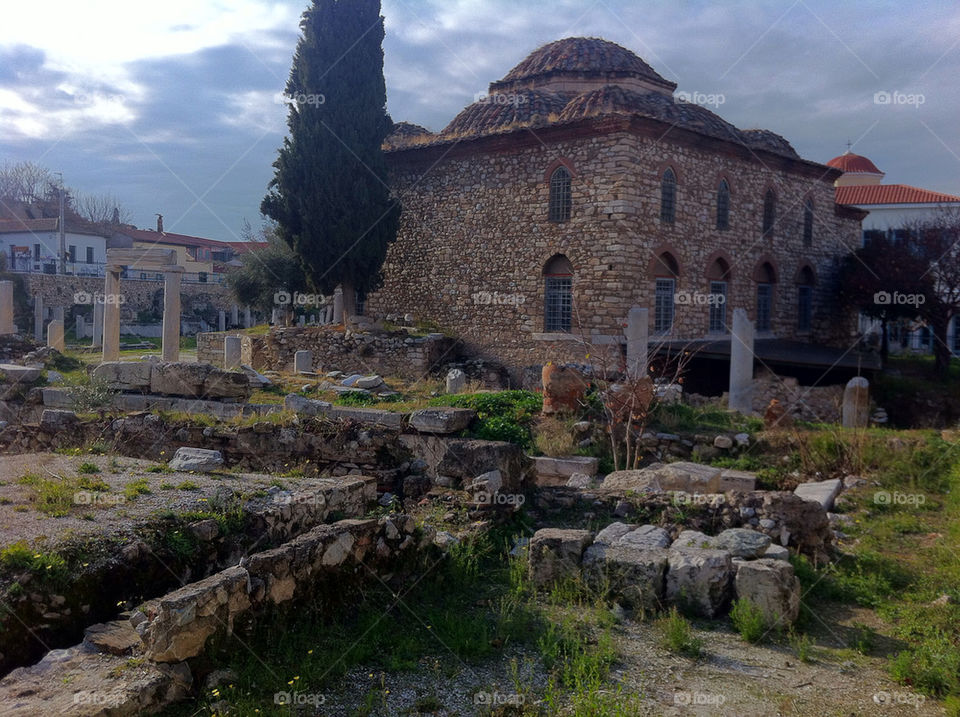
557 163
806 275
665 261
765 271
672 165
718 267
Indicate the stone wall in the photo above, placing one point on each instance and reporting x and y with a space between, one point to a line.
199 301
385 353
475 237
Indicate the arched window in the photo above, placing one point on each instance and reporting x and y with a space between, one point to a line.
766 277
769 213
805 282
560 197
668 196
719 277
558 294
808 222
723 205
665 273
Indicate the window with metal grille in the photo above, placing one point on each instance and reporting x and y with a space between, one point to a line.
808 223
360 303
804 307
560 197
89 254
769 213
723 205
559 303
663 305
718 306
764 306
668 196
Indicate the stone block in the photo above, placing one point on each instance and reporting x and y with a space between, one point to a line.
124 375
19 374
743 542
441 420
699 580
557 471
823 492
635 577
555 554
196 459
772 586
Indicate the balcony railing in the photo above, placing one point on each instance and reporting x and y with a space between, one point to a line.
98 269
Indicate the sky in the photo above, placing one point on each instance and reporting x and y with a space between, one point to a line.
174 107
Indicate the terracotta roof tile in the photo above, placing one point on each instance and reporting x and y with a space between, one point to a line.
890 194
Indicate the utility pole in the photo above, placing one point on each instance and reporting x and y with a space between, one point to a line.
63 236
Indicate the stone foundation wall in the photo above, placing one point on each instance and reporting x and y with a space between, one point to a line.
199 301
388 354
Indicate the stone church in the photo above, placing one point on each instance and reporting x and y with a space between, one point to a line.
581 186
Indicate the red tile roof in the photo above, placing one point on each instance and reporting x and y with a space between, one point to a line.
890 194
12 226
855 163
146 235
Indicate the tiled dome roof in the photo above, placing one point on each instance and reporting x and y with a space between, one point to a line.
581 57
500 112
403 132
850 162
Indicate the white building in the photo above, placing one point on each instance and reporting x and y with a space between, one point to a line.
892 207
33 246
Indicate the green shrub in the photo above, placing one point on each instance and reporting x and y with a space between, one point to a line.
87 468
676 634
932 667
501 416
355 398
748 619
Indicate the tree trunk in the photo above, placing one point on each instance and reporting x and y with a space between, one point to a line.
941 350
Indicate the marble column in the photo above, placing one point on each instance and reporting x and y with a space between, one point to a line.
741 363
231 351
55 335
6 307
111 315
247 318
170 350
97 325
638 328
856 403
38 317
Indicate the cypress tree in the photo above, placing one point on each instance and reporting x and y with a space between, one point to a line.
329 195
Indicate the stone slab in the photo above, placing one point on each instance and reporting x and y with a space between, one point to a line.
823 492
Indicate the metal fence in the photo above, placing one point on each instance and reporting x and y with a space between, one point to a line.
98 269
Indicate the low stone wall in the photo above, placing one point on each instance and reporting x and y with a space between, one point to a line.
137 564
252 349
197 300
388 354
177 627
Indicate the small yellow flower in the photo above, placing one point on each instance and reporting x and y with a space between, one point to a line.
309 652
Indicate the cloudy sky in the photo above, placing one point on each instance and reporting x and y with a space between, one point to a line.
172 106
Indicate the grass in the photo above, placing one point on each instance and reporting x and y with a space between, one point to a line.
748 619
136 488
20 556
55 496
676 634
477 605
501 416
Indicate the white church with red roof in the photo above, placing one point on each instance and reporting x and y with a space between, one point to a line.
891 206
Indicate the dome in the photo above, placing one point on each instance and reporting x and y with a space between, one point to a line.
405 133
581 63
501 112
850 162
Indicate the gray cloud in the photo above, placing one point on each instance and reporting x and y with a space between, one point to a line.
206 124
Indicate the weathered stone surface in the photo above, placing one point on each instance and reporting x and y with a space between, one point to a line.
456 380
699 580
731 479
556 553
635 576
196 459
681 476
442 420
612 533
557 471
19 374
124 375
823 492
646 536
55 419
115 638
771 585
489 482
563 389
693 539
187 617
742 542
462 459
369 416
179 378
776 552
579 480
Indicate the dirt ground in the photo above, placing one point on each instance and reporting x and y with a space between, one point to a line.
106 512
